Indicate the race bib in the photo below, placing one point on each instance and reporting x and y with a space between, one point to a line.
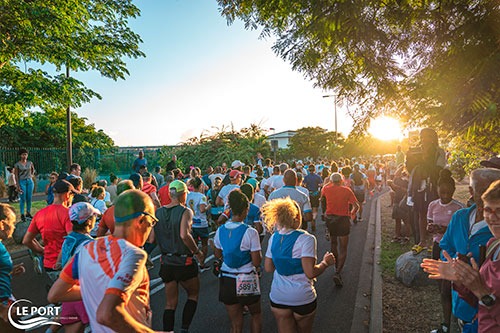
247 284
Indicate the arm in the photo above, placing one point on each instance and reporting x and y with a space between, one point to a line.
64 291
311 270
185 233
111 313
156 200
269 265
18 185
256 258
219 201
30 241
203 208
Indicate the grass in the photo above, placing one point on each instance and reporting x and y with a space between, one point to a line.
415 309
35 207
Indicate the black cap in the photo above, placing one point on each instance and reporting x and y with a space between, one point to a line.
63 186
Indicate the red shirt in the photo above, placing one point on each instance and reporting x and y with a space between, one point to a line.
164 195
338 199
148 188
108 220
53 223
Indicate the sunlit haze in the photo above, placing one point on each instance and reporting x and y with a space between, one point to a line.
200 74
386 128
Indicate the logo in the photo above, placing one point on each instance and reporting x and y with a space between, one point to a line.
28 317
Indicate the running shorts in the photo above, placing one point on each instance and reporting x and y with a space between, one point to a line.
298 309
170 273
338 226
227 293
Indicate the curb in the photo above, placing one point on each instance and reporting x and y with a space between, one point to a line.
367 316
376 312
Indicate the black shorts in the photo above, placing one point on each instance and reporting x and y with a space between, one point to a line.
338 226
227 293
360 195
201 233
314 198
298 309
169 273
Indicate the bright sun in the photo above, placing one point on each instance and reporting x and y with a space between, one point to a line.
386 128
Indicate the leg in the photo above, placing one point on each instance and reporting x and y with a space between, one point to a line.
22 196
29 195
74 328
343 242
284 320
235 312
204 246
334 248
445 288
172 295
192 287
398 228
315 213
255 312
305 322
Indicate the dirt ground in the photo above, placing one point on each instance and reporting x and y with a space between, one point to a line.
415 309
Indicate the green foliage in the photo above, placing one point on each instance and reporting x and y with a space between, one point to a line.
226 145
82 35
367 145
48 130
316 142
89 176
432 63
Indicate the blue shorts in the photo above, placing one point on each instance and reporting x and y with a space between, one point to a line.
200 233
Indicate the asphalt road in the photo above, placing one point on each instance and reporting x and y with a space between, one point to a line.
335 305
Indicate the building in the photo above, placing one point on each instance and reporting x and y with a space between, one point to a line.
280 140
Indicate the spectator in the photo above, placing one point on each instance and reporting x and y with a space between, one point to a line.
139 161
49 188
24 171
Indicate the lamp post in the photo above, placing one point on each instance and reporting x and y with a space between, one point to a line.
335 106
69 148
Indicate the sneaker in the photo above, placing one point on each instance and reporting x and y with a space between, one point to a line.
443 329
37 263
28 215
337 279
23 218
204 268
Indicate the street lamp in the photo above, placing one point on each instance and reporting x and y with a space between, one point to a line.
69 144
335 105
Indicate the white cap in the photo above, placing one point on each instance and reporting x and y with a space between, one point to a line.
237 164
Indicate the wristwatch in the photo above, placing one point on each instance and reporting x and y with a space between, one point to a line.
488 300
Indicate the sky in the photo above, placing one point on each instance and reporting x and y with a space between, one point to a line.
200 74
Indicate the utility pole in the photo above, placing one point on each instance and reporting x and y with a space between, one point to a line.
69 144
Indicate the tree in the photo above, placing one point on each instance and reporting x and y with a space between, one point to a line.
79 34
225 145
429 62
315 142
47 130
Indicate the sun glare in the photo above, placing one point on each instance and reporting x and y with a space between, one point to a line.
386 128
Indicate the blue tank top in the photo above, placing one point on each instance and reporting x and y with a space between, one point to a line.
230 240
282 249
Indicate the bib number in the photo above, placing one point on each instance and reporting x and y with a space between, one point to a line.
247 284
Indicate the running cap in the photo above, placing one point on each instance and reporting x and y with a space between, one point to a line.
237 164
178 186
234 173
493 162
252 181
63 186
299 162
336 177
82 211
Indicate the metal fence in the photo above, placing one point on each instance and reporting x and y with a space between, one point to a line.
46 160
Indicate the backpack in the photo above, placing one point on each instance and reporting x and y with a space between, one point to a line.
266 172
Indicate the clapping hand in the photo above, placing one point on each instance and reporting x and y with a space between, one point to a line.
329 259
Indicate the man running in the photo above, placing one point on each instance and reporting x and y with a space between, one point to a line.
338 198
178 247
359 186
290 190
313 183
109 273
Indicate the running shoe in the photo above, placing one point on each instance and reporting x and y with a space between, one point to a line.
37 262
337 279
205 268
28 215
443 329
23 218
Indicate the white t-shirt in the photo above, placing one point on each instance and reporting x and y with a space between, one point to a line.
295 289
299 197
250 242
303 190
262 184
259 200
224 192
123 273
193 201
275 182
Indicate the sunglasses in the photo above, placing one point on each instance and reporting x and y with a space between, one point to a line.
125 218
492 211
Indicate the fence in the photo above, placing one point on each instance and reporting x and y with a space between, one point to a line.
46 160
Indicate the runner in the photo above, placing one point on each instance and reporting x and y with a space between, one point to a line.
313 183
235 179
53 223
238 246
290 190
291 255
197 202
359 186
338 198
173 236
109 273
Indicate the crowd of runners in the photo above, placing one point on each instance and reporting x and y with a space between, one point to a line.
95 242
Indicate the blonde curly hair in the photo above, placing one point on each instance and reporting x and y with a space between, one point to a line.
281 213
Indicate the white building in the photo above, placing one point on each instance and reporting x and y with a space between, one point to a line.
280 140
